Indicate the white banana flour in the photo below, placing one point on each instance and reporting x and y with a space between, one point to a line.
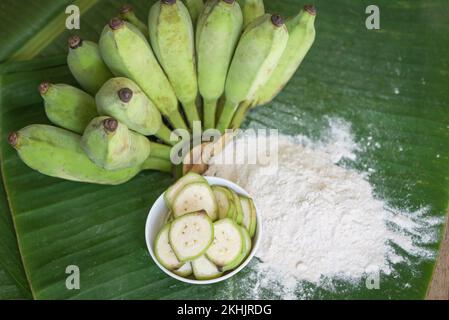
321 221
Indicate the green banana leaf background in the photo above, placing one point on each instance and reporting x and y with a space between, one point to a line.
391 84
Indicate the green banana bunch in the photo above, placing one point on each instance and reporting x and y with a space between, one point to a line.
252 9
87 66
172 39
112 146
257 55
122 99
58 153
301 31
128 54
195 8
218 31
127 13
67 106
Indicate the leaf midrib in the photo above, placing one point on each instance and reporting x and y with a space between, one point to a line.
8 202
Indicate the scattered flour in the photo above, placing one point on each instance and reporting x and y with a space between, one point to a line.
321 221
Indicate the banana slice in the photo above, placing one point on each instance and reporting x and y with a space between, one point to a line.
185 270
223 202
191 235
170 194
163 250
247 211
195 197
228 244
204 269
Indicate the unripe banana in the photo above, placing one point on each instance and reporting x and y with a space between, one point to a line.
301 31
87 66
127 13
58 153
67 106
195 8
128 54
172 39
122 99
301 37
252 9
257 55
112 146
218 31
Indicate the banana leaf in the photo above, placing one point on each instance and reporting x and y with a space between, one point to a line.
390 84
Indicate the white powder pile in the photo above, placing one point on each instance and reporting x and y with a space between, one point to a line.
320 220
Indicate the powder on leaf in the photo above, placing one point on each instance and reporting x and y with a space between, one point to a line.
320 220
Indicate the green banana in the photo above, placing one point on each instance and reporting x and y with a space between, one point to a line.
218 31
257 54
252 9
112 146
195 8
122 99
58 153
87 66
67 106
127 13
172 39
301 37
128 54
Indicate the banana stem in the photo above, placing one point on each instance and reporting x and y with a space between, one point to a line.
177 121
160 151
210 110
164 134
226 116
240 114
127 13
157 164
191 112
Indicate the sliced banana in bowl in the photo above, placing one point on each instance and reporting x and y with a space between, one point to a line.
203 230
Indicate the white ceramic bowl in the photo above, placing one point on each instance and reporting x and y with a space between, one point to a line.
156 219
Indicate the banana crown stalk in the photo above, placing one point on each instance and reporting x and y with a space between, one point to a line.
127 13
67 106
112 146
252 9
195 8
172 39
122 99
301 37
87 66
257 55
128 54
219 29
58 153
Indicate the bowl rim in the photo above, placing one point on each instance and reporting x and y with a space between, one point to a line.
256 239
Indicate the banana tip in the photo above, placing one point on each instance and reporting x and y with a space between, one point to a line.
75 42
229 1
310 8
110 124
116 23
125 94
277 20
43 87
13 139
126 8
169 2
